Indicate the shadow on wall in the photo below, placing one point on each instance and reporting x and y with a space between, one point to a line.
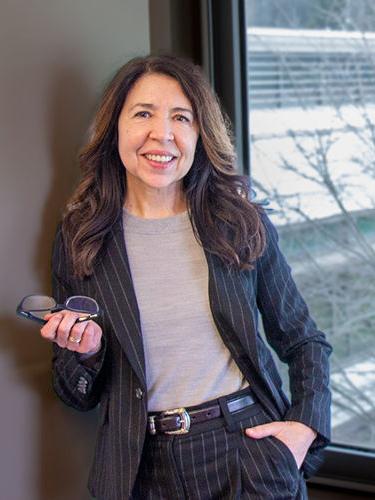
66 437
65 441
62 445
70 113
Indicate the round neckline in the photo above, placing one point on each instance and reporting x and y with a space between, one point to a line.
170 224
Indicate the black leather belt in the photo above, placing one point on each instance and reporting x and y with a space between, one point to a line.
179 420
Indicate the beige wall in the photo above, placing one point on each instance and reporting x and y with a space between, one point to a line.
55 57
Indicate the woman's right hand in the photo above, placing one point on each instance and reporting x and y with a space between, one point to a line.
61 328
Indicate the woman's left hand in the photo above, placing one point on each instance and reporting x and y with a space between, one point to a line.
295 435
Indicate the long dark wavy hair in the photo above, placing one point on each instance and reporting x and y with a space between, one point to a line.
224 219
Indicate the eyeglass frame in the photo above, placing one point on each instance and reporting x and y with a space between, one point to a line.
59 307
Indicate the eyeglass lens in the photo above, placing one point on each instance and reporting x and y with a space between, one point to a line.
82 304
38 304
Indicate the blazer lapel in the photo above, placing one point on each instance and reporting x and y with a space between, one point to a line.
233 305
114 280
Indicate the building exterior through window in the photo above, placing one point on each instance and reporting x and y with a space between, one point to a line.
311 74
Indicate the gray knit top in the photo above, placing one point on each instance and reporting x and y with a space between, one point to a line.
187 362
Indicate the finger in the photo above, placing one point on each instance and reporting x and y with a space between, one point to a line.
264 430
49 330
65 327
48 316
75 336
91 339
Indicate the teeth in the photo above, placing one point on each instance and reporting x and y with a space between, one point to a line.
159 158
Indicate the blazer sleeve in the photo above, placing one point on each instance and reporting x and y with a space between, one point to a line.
78 383
294 336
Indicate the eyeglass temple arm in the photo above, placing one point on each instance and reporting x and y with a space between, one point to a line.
24 314
87 317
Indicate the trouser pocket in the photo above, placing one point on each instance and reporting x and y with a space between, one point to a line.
268 467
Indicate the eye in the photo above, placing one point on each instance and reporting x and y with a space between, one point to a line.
182 118
143 114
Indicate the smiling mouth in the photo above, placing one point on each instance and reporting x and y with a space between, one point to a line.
160 158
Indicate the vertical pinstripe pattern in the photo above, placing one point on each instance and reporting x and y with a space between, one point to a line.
119 373
214 463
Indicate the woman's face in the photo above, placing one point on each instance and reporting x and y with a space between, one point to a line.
158 134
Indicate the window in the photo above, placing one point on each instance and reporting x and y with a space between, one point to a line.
298 80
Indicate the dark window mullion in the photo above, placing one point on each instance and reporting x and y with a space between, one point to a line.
229 67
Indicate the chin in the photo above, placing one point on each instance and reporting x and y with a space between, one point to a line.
161 183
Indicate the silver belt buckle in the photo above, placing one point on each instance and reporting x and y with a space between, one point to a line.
151 421
184 420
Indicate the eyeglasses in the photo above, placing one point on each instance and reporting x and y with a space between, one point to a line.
35 307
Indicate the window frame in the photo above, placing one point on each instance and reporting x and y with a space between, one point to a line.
225 60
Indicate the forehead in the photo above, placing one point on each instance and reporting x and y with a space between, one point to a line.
155 88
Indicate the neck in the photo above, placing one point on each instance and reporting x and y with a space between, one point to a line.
155 206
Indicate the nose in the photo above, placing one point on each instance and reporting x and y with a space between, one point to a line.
161 130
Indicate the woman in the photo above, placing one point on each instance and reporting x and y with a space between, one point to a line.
161 232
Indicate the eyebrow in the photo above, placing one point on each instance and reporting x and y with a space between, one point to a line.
152 106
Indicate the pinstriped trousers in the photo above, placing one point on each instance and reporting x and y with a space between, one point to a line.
216 460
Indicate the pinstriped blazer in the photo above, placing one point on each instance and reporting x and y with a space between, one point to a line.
116 377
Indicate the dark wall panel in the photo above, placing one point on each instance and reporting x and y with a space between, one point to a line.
55 58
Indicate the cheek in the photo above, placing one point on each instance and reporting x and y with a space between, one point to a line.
128 143
190 147
126 154
125 139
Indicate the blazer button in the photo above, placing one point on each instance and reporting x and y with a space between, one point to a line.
139 393
82 385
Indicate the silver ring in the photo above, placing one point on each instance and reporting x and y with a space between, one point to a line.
74 340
